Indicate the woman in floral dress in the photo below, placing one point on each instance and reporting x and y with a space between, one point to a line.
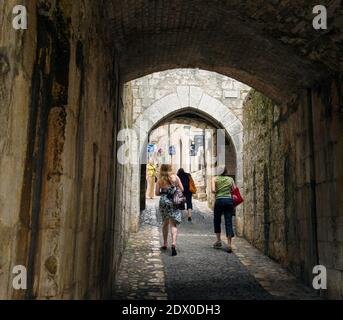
171 214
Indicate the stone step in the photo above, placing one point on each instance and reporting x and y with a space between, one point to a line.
201 196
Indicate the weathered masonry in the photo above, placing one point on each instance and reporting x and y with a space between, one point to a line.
174 94
62 209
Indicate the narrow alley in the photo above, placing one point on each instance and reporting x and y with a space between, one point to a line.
199 272
97 96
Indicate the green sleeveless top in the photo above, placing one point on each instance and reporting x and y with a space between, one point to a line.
224 186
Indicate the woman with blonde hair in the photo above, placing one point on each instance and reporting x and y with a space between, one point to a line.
165 187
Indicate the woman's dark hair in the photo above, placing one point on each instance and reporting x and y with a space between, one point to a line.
181 173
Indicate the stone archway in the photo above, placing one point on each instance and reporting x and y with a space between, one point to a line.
62 103
188 99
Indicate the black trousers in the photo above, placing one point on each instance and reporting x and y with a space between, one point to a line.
189 202
223 206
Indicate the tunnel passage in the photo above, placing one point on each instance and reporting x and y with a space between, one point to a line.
241 39
181 130
61 209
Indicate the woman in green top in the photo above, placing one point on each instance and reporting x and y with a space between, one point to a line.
222 186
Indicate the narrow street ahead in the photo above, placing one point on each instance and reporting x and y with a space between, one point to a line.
199 271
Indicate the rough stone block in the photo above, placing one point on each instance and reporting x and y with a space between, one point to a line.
235 128
231 94
338 256
167 104
195 96
183 93
334 283
326 254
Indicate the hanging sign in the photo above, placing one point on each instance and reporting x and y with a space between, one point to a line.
151 148
172 150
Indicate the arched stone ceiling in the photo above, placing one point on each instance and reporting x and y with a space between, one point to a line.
269 45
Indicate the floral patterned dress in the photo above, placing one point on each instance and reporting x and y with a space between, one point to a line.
167 207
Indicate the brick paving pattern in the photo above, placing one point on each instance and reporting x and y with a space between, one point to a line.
198 271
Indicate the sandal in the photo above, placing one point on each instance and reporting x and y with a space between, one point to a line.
229 249
217 245
174 253
164 248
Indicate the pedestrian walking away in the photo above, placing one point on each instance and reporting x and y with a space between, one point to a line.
222 187
166 186
189 189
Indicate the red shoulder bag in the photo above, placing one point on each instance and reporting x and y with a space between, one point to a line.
236 196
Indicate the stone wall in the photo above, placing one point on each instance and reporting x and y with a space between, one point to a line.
59 97
127 205
292 178
326 107
163 95
263 165
17 59
65 208
149 89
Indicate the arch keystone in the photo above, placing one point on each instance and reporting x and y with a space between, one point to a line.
183 93
195 95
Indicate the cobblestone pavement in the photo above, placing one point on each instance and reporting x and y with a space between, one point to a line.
199 271
141 274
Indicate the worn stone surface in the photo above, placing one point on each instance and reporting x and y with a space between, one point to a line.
172 95
59 94
65 211
141 273
195 88
291 182
199 271
17 55
242 39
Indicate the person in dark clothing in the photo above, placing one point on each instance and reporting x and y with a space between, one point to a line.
186 180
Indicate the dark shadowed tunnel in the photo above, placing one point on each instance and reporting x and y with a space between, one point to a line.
64 95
